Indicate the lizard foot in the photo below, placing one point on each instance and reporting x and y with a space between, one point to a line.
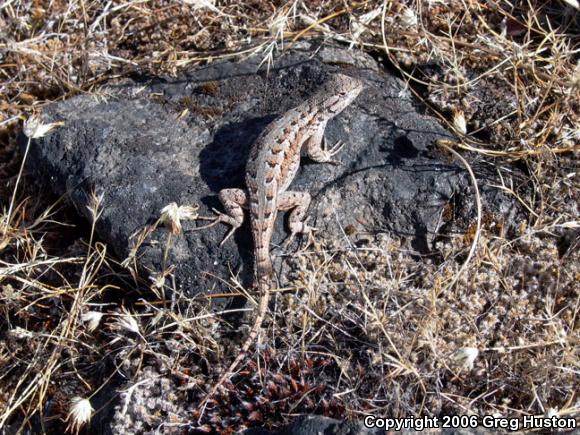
219 218
301 228
334 150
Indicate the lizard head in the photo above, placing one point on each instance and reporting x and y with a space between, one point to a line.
338 92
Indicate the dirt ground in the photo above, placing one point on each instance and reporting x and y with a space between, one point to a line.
485 325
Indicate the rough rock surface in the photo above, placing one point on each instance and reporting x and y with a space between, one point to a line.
146 143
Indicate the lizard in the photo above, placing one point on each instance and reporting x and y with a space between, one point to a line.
272 164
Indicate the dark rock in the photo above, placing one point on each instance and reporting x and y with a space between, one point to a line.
144 144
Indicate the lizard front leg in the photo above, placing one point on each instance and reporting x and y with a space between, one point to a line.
299 202
233 201
316 149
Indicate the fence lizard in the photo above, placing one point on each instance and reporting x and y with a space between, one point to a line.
272 164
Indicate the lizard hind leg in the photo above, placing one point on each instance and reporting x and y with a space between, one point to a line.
233 201
298 202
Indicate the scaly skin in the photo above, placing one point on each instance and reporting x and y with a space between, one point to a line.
272 165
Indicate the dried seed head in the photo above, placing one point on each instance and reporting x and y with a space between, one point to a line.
92 318
128 322
409 17
34 129
172 214
278 26
202 4
360 24
80 413
158 280
466 357
19 332
94 204
459 121
574 3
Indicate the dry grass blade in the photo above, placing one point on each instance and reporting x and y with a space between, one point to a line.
365 325
465 265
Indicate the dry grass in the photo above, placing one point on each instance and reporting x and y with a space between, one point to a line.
363 327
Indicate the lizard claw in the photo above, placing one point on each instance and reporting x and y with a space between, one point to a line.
214 220
332 151
310 237
336 148
219 217
203 227
304 228
228 235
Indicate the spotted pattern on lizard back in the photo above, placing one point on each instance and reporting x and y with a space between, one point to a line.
272 165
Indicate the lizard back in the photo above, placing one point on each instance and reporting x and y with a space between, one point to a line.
275 156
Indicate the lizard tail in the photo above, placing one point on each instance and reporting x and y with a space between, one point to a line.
263 284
